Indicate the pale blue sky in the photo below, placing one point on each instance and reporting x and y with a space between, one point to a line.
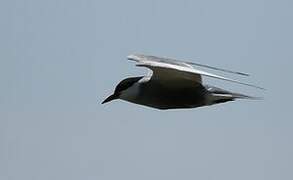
60 58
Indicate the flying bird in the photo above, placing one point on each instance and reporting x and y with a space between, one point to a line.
174 84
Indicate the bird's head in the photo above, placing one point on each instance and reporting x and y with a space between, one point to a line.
121 88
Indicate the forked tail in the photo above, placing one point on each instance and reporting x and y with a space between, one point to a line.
218 95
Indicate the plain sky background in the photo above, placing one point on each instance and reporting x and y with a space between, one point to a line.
60 58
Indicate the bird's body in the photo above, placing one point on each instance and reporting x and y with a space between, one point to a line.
171 85
153 94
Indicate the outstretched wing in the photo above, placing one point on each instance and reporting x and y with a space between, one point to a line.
170 70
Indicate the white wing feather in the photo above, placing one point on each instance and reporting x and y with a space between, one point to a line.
153 62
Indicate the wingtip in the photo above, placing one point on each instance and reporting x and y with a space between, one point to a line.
243 74
242 96
261 88
254 98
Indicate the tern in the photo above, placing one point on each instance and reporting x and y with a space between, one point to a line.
174 84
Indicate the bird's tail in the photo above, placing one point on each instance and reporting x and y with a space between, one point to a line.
217 95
